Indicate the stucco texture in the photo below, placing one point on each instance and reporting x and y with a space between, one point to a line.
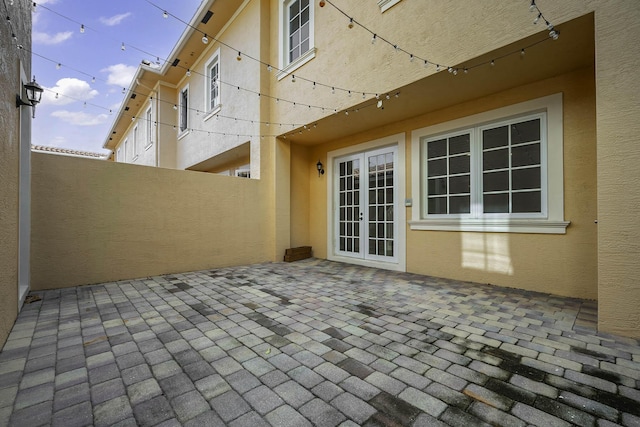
10 59
96 221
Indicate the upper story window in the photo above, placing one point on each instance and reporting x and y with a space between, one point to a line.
212 98
299 26
183 106
296 34
387 4
149 123
135 141
496 171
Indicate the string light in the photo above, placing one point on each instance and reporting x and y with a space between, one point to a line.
205 39
123 47
239 57
188 72
165 15
82 28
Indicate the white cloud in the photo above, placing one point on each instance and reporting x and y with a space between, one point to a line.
115 19
120 74
51 39
69 90
80 118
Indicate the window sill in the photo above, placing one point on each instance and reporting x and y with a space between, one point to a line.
213 112
505 225
299 62
182 134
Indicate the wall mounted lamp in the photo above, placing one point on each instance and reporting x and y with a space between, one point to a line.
319 167
34 95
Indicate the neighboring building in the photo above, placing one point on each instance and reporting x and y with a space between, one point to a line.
15 163
517 166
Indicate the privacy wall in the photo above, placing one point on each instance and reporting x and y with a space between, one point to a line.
96 221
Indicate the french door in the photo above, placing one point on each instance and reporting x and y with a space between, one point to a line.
365 200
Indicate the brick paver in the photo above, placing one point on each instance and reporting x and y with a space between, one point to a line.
313 343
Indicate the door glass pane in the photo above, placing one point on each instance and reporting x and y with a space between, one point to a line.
348 198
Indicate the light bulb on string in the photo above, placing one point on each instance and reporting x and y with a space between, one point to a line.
293 78
205 39
535 21
165 15
314 85
493 62
349 94
269 68
466 71
437 67
81 28
373 39
533 6
363 95
58 66
522 52
239 57
123 47
93 79
411 57
554 34
350 23
333 90
57 95
426 63
175 106
188 72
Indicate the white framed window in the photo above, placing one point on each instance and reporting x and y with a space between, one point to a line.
212 98
387 4
496 171
296 34
136 142
243 172
183 110
149 124
119 155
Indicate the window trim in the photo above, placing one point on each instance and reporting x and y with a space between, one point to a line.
287 67
149 118
185 131
552 223
387 4
214 58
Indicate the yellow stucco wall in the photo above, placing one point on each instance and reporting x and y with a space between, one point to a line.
97 221
618 93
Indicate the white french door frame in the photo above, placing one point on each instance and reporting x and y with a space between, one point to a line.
399 260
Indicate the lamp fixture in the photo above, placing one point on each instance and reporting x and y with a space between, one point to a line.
320 168
34 95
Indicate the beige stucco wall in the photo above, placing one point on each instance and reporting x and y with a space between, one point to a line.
618 94
96 221
10 78
559 264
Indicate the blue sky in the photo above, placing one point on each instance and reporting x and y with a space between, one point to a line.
65 121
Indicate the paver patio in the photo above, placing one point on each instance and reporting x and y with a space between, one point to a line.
313 343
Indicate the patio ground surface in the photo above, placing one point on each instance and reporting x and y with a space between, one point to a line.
313 343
